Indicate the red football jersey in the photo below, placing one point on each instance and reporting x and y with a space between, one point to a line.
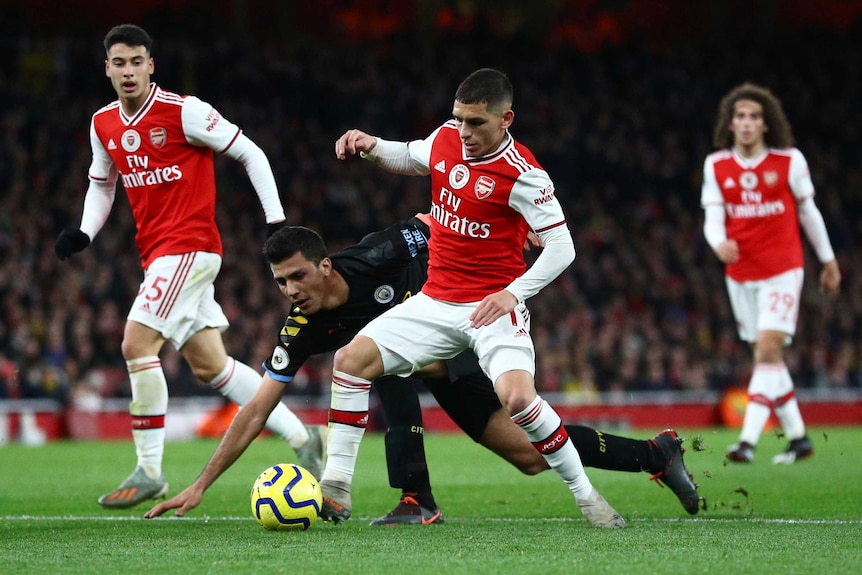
164 156
482 209
759 196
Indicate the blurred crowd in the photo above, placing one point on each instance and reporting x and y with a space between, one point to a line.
623 129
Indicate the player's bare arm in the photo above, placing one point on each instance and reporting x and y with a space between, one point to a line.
244 428
353 142
830 278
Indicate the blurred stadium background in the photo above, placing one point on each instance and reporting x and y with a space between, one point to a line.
615 97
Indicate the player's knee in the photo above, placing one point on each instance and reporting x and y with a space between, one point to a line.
204 372
769 351
359 358
133 349
517 401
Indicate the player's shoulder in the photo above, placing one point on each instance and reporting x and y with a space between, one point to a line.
784 152
520 153
107 108
792 153
163 96
718 156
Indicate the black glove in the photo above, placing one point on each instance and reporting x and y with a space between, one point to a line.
274 227
70 241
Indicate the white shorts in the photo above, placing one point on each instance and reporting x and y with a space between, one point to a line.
422 330
770 304
177 297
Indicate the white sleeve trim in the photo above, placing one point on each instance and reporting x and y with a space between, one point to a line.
260 173
812 222
558 253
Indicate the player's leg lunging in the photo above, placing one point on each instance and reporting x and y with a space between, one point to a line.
348 417
546 432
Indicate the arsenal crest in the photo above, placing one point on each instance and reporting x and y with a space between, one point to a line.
484 187
158 137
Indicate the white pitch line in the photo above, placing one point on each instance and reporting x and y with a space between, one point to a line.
206 519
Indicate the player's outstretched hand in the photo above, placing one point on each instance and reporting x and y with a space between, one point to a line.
70 241
183 502
353 142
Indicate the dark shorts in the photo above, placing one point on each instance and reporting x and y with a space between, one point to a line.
468 396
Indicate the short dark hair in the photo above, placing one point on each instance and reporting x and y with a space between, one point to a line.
486 85
130 35
290 240
779 135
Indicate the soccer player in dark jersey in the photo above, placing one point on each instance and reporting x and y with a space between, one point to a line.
335 296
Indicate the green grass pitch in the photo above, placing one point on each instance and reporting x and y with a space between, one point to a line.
760 519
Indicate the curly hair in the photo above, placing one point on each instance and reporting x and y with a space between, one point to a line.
779 135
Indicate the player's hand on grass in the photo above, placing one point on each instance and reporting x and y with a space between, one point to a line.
70 241
183 502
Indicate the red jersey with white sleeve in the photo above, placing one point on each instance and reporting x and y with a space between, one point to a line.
164 156
759 196
482 209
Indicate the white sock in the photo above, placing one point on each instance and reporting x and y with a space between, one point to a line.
787 410
148 407
546 432
239 382
765 381
348 417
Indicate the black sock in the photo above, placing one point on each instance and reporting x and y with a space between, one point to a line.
405 439
605 451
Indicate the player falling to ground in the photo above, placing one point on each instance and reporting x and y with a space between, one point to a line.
336 295
487 192
757 191
161 144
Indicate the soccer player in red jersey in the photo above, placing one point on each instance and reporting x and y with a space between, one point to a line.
161 145
757 192
487 193
333 297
